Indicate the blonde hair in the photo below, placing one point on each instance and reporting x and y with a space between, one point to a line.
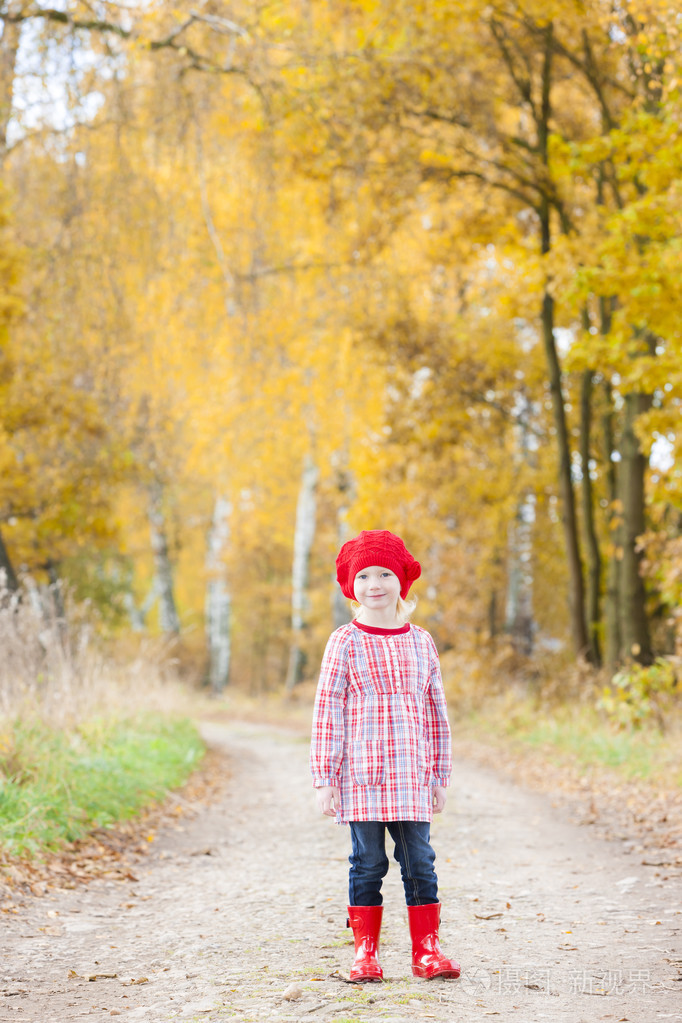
403 610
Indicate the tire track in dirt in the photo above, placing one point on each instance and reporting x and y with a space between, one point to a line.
246 903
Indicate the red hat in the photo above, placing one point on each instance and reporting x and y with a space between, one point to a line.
375 547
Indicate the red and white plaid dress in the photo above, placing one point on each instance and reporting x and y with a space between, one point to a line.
380 725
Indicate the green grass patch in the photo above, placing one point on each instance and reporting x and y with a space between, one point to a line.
580 735
56 786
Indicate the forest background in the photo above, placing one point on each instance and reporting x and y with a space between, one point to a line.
275 272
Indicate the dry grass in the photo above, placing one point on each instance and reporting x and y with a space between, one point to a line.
90 732
55 668
555 708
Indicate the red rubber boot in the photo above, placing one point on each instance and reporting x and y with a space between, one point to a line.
366 924
427 959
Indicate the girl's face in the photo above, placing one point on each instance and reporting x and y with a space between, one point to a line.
377 588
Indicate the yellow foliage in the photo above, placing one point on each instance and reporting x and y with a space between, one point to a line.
324 242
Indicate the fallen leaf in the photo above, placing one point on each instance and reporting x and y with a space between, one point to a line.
104 853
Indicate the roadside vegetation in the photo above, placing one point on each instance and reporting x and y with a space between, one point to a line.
86 741
629 723
60 784
582 735
94 732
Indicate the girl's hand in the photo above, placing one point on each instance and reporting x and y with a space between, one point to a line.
328 799
439 797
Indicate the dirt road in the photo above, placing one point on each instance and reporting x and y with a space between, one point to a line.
241 916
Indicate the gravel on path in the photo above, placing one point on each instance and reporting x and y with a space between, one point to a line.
239 914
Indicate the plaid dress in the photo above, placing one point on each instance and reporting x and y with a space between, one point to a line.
380 726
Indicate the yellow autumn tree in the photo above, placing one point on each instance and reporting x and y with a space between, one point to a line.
408 256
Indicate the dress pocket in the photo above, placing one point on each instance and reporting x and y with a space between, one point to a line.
367 762
425 765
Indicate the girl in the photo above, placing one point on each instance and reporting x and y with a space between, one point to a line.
380 754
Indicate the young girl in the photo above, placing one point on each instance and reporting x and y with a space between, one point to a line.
380 754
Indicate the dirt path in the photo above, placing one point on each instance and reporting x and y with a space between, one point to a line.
550 923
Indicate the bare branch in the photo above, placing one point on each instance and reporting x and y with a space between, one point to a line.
197 61
447 174
221 24
64 18
436 115
292 268
524 85
587 67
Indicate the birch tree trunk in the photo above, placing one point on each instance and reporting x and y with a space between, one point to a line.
303 541
135 615
218 599
9 47
8 578
519 609
168 615
340 610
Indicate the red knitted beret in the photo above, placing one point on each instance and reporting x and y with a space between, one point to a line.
376 547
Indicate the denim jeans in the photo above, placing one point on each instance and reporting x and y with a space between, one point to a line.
369 862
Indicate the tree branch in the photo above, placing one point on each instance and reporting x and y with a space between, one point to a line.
436 115
223 25
198 61
587 67
524 85
447 174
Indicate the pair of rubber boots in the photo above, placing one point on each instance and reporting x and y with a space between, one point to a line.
427 959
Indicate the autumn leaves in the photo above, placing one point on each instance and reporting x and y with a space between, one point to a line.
429 250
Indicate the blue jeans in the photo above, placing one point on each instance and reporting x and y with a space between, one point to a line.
369 862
